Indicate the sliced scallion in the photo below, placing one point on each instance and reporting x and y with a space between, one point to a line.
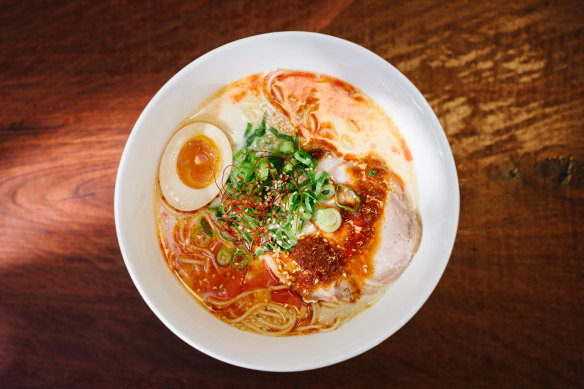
304 158
304 214
245 171
286 147
206 226
280 135
351 193
320 182
214 204
201 238
262 170
240 259
328 220
248 129
326 192
223 256
271 192
309 201
296 223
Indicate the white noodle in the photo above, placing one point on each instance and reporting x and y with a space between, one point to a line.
246 314
232 300
309 327
273 77
336 325
271 314
191 261
314 312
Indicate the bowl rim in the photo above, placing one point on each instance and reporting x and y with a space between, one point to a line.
425 106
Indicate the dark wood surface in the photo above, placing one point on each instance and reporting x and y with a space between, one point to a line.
506 80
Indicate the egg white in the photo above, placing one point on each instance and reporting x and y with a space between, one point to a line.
178 194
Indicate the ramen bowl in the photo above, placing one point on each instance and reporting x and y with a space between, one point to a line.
437 200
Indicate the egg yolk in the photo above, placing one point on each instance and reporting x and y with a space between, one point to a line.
199 162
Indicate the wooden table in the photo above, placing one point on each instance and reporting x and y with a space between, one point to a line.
506 80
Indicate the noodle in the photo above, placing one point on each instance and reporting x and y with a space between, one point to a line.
309 327
247 313
336 325
268 313
191 261
314 312
272 78
234 299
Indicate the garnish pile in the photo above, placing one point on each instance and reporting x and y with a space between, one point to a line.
271 192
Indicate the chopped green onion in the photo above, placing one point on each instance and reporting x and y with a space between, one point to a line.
322 179
285 238
372 172
250 140
262 127
296 223
250 223
248 129
223 256
304 158
262 170
245 171
312 178
280 135
352 194
328 220
206 227
251 158
220 211
267 168
201 239
286 147
309 201
294 201
288 167
214 204
326 192
304 214
239 157
259 132
304 183
240 259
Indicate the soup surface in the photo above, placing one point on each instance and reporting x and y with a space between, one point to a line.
309 222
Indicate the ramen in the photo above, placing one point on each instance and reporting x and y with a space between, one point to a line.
285 203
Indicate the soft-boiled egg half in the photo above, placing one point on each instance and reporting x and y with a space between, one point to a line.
195 164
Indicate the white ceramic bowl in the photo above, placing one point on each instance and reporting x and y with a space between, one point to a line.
135 222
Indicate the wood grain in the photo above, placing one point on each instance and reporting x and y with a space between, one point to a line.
506 81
